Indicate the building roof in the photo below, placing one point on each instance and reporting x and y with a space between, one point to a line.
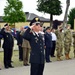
30 16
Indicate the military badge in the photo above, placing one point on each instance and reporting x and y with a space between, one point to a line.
36 19
36 39
7 35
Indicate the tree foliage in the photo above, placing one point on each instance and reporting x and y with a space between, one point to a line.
52 7
71 17
49 6
13 12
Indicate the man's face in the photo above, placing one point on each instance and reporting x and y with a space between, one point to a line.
37 27
7 27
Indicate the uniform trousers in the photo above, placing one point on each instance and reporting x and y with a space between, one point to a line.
36 69
20 53
25 55
53 48
7 56
47 54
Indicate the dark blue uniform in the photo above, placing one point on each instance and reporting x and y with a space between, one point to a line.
8 47
48 44
37 58
19 43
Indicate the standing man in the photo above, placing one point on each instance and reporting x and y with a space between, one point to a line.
26 49
7 45
19 43
54 38
59 42
48 44
67 41
37 59
74 43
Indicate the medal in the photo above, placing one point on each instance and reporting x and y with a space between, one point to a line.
36 39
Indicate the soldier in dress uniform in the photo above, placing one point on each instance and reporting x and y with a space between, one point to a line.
37 58
19 43
59 42
48 44
67 41
7 45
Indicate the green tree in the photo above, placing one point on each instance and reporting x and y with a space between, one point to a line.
71 17
13 12
52 7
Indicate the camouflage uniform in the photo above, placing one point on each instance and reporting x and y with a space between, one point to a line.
74 43
67 42
59 43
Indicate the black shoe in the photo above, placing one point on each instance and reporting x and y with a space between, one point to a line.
0 68
11 66
26 64
11 61
6 67
20 60
52 56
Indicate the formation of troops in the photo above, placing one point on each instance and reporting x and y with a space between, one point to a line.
38 42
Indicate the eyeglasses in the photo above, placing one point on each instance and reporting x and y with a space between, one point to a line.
37 23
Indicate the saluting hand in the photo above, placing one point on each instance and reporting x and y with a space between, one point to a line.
31 27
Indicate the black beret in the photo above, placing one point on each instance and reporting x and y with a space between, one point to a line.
6 24
35 20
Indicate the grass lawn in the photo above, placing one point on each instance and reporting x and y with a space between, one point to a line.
15 59
17 63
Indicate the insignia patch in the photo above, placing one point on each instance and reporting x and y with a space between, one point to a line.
36 19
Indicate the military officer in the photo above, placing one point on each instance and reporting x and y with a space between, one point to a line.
19 43
26 48
37 58
67 41
48 44
7 45
59 42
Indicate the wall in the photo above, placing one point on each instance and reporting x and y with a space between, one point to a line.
18 25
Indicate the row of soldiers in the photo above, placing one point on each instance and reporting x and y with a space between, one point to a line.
64 40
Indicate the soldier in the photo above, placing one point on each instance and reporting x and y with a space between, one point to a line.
48 44
59 42
19 43
37 58
67 41
7 45
74 43
26 48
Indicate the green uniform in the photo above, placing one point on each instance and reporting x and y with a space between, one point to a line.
59 43
67 41
74 43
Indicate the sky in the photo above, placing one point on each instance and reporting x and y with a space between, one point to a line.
31 6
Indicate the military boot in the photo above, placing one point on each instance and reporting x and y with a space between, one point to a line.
67 56
58 58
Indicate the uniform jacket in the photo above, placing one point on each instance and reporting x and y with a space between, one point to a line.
68 36
19 38
25 42
48 40
37 46
8 39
